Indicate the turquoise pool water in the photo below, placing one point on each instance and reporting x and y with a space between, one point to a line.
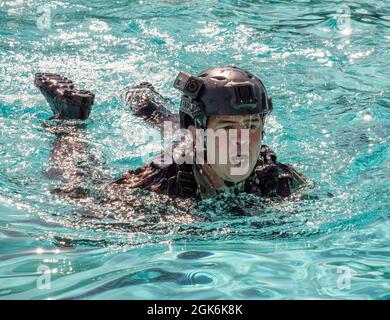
327 68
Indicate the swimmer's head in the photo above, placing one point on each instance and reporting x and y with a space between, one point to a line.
226 99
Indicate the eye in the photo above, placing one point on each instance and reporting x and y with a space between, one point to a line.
254 125
226 127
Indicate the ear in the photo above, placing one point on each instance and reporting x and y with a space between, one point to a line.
192 129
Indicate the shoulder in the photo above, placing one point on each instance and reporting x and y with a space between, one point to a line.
152 171
272 178
269 157
170 179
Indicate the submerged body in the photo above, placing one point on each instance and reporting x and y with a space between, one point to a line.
269 178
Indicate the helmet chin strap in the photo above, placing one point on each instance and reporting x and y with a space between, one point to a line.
205 188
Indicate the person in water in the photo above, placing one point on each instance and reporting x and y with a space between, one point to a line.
218 99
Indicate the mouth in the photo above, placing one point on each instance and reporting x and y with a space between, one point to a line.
239 159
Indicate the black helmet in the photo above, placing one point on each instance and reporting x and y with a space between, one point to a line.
222 90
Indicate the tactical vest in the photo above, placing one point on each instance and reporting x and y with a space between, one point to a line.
269 178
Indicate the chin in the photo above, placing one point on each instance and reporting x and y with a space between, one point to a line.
224 172
237 178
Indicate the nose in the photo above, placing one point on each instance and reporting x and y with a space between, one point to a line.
238 142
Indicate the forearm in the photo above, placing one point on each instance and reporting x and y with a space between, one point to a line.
146 103
71 162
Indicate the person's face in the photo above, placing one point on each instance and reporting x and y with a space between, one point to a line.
254 126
